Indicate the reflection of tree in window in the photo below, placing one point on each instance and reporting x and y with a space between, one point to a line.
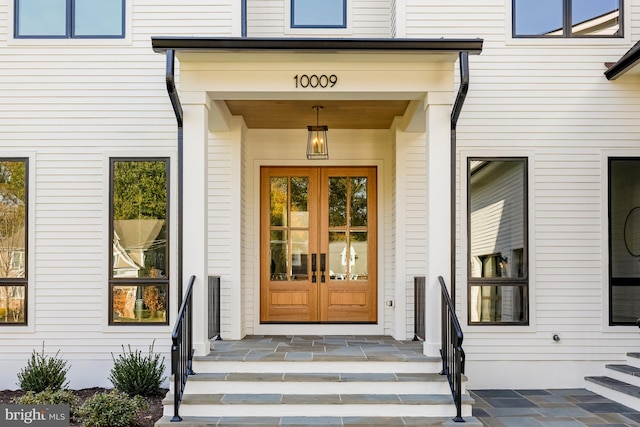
139 215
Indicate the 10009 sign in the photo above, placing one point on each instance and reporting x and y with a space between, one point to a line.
314 80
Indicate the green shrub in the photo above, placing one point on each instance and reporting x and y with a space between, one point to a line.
112 409
50 397
135 374
43 372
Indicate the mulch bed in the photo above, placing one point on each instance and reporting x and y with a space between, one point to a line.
144 419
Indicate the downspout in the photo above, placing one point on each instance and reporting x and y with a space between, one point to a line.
177 109
455 114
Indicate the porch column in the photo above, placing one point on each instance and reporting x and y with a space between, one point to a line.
196 106
438 257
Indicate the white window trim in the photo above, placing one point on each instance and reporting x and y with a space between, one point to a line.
324 32
173 238
569 41
604 168
127 40
462 285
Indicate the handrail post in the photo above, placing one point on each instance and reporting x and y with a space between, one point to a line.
451 349
182 349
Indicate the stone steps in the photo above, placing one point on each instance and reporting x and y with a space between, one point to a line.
307 381
315 421
623 384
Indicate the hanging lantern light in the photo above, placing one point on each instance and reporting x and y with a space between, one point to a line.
317 144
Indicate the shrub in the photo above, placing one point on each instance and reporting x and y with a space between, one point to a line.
50 397
135 374
112 409
43 372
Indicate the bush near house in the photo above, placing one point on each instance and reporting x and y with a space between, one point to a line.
111 409
43 372
135 374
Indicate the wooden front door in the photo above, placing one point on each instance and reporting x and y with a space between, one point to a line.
318 249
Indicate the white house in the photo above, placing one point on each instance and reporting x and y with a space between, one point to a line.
105 106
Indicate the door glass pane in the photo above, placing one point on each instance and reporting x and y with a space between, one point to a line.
279 255
13 210
538 17
279 196
299 202
299 255
337 202
595 17
98 18
358 255
358 202
625 303
338 259
12 303
42 18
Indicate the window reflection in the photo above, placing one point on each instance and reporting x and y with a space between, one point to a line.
497 241
139 232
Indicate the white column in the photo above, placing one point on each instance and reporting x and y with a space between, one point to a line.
196 106
438 257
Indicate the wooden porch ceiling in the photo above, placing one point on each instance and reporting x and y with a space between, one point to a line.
298 114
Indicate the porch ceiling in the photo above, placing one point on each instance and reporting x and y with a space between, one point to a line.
296 114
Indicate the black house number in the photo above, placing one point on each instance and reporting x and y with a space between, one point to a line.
314 80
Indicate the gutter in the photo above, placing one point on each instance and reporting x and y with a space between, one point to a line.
177 109
455 115
624 64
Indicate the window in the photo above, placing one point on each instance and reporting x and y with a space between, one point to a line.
13 241
139 217
567 18
497 241
624 241
69 18
318 13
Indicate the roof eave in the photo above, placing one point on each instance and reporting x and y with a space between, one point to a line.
216 44
628 61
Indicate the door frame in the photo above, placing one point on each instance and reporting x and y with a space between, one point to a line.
320 328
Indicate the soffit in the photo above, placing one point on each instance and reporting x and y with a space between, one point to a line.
298 114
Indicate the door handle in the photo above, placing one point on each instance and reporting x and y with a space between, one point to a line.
323 266
314 266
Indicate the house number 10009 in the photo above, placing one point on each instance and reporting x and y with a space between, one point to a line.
314 80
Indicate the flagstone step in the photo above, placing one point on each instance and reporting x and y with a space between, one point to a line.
311 421
619 391
340 405
318 383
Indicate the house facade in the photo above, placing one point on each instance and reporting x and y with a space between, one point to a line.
143 143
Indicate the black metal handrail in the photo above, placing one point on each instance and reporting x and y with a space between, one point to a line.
182 349
451 350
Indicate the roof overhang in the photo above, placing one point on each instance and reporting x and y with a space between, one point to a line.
628 64
308 45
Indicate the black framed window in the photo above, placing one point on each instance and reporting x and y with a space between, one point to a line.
14 189
69 18
497 221
567 18
624 240
139 235
318 13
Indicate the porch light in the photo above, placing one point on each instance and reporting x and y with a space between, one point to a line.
317 144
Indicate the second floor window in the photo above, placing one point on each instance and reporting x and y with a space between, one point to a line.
567 18
318 14
69 18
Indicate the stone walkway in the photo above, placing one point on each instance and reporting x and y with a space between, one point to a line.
551 408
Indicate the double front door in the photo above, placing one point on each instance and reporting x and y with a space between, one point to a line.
318 249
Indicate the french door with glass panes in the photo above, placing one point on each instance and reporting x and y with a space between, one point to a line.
318 249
